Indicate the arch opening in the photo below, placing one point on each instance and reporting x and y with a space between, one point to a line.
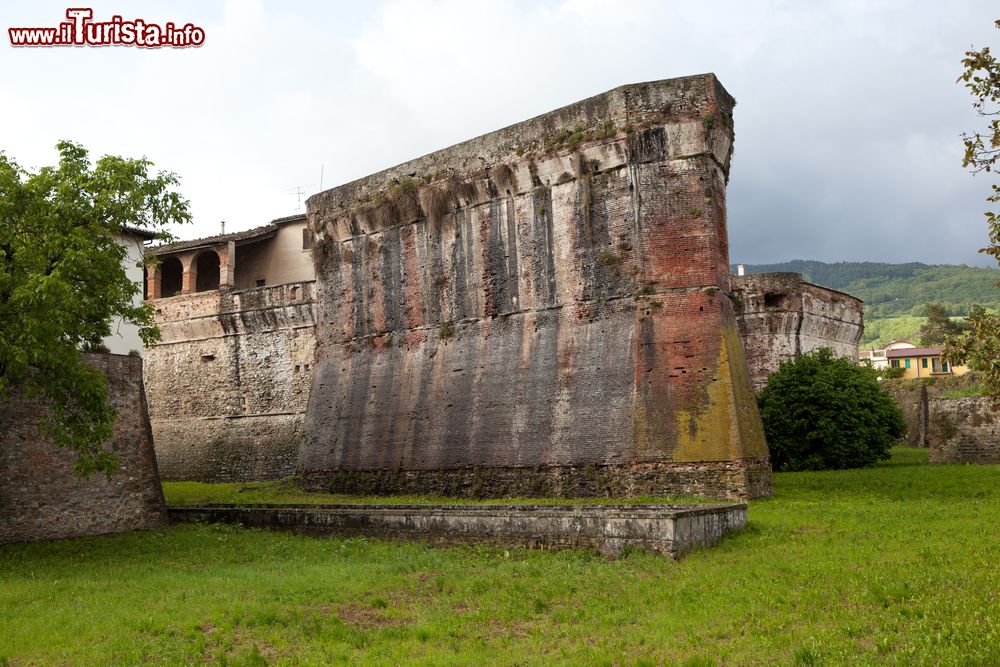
207 265
171 277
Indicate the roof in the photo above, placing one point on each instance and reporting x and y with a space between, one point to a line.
298 217
934 351
139 231
255 234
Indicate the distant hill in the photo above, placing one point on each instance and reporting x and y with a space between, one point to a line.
899 290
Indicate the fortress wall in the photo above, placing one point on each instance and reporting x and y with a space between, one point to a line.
229 381
540 310
42 498
780 317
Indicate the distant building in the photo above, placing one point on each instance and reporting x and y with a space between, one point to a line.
918 362
878 356
124 336
274 254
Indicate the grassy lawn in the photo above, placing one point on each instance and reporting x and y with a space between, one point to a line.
898 564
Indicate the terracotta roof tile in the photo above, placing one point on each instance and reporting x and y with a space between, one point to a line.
257 232
934 351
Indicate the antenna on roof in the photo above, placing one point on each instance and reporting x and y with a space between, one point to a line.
298 192
321 178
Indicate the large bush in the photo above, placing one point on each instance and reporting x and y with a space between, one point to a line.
823 413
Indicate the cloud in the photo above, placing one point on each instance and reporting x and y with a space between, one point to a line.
846 129
847 120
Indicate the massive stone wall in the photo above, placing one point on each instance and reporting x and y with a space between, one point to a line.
780 317
540 310
41 498
229 381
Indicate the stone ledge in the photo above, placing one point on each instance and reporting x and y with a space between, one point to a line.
671 530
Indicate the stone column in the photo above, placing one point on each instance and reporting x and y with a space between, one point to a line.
189 283
227 265
153 281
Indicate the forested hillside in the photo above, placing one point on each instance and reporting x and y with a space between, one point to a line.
895 294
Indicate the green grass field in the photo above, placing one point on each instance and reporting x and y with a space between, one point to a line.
879 332
898 564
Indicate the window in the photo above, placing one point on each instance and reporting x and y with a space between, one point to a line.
307 239
260 282
944 366
894 363
923 362
907 362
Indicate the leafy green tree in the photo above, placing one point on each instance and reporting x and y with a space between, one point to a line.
979 346
938 327
62 281
982 148
822 412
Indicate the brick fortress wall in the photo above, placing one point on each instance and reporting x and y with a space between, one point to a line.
780 317
41 498
540 310
228 383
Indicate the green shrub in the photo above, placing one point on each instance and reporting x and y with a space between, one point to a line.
892 372
821 413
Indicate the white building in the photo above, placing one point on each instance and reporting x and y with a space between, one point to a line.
879 357
125 336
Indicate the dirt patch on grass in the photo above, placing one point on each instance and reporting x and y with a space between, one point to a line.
366 617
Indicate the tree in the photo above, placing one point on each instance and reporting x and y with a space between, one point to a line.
822 412
982 148
938 327
979 346
62 280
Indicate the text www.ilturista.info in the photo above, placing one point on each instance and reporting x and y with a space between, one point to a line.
81 30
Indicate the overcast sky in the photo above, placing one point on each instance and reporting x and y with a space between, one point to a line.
847 127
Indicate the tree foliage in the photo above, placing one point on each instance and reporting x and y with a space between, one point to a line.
982 148
938 327
978 347
822 412
62 281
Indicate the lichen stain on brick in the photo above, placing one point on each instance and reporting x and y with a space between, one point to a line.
725 425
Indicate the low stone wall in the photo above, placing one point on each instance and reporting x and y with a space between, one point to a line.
743 479
916 398
41 498
667 529
963 430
